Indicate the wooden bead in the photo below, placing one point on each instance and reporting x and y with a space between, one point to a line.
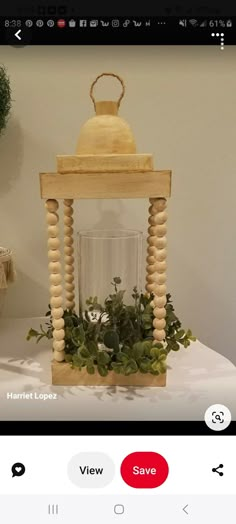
151 268
54 267
68 211
69 278
160 290
161 242
162 266
152 241
150 287
56 291
159 312
52 219
55 279
69 268
69 260
156 277
58 334
152 211
68 250
68 221
58 345
69 287
54 255
158 219
153 221
70 304
159 323
70 296
53 231
152 250
58 323
68 231
151 278
57 312
159 301
59 356
161 254
51 205
68 201
155 241
161 279
150 260
152 230
56 302
159 334
162 217
53 243
162 229
68 241
158 203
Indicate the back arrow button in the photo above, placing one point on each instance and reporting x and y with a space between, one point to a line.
17 34
185 509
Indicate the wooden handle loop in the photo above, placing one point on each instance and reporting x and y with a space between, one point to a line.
108 74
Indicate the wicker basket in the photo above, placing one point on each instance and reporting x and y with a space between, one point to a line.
7 274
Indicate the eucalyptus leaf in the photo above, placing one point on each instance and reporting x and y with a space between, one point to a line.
92 347
103 358
90 370
84 352
111 340
102 370
131 367
180 334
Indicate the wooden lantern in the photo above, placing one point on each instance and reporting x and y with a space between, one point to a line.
105 166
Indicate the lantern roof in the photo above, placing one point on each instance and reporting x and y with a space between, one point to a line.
106 164
106 132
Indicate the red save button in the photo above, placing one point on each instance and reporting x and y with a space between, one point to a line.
144 469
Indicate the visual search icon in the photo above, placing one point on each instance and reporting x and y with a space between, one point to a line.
18 469
218 417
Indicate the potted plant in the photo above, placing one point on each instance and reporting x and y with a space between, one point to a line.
7 273
119 339
5 98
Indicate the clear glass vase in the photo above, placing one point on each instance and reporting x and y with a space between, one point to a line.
105 255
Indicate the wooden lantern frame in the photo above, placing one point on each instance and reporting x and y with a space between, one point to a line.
103 176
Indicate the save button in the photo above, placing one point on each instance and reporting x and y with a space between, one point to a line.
144 470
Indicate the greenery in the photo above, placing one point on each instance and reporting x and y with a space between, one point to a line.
5 97
116 336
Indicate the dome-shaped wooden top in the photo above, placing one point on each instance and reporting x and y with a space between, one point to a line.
106 132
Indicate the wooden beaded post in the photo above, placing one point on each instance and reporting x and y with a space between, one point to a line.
156 264
68 254
55 278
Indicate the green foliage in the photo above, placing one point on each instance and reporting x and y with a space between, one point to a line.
5 97
121 339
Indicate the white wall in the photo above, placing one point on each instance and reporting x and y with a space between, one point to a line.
180 103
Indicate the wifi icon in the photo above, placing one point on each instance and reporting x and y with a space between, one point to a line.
193 22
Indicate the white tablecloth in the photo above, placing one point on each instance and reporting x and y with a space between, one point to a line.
197 378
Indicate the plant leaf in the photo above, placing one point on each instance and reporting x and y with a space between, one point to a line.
90 369
111 340
102 370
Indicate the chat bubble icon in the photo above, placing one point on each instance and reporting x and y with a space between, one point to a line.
18 469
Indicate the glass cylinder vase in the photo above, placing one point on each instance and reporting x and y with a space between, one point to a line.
109 260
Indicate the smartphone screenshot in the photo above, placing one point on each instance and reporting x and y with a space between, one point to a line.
117 262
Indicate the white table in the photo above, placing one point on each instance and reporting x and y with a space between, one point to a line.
197 378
